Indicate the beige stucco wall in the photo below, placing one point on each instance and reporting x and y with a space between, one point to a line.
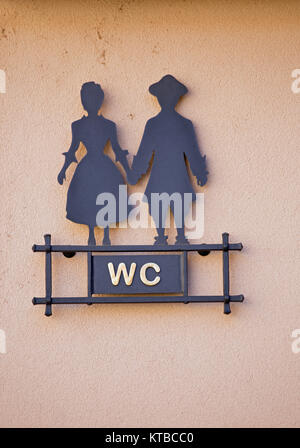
153 365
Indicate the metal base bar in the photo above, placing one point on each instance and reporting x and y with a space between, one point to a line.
161 299
205 248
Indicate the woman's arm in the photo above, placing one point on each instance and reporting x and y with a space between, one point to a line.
196 161
121 154
70 155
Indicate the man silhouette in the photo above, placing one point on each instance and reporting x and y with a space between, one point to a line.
170 139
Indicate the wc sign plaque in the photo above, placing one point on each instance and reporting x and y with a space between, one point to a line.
148 273
137 274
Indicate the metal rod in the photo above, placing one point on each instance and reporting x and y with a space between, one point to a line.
132 248
48 276
185 275
90 275
132 299
225 238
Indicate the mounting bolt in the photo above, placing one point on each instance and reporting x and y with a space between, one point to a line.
203 252
69 254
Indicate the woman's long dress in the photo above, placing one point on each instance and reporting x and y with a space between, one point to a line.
95 173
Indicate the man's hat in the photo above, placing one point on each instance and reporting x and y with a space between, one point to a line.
168 86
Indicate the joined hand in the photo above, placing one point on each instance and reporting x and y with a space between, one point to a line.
61 177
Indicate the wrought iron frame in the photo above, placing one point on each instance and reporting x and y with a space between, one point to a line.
203 249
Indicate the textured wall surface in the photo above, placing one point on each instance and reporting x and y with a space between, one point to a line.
153 365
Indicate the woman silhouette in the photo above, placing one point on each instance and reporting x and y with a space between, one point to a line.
95 173
172 140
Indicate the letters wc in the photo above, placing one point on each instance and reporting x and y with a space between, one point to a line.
128 277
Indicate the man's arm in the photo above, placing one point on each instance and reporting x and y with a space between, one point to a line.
196 160
142 159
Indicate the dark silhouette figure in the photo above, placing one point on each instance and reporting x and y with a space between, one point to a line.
95 173
170 139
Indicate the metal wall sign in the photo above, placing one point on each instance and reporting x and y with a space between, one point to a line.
135 273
